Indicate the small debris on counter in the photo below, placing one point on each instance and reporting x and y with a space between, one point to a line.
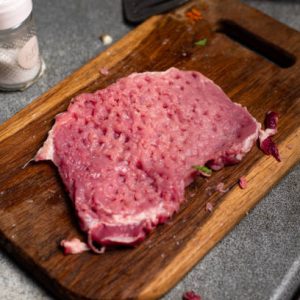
106 39
190 295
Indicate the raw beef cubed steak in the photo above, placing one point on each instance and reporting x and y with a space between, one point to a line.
126 153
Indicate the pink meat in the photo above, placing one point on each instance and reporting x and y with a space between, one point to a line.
74 246
126 153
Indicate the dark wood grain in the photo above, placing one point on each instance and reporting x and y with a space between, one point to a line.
36 213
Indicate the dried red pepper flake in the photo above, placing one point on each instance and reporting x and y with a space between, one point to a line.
194 14
190 295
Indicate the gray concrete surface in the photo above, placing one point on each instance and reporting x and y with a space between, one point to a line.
260 258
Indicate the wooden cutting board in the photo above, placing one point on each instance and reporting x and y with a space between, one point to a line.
36 213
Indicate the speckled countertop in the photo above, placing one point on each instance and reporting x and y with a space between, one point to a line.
260 258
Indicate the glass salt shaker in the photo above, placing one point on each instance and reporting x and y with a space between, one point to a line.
20 61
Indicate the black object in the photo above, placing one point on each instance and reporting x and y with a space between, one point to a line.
136 11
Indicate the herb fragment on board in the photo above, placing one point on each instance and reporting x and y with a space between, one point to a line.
201 42
203 170
271 120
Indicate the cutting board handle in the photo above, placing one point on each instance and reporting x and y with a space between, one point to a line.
256 43
264 27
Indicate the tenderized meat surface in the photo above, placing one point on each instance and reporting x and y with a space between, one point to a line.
126 153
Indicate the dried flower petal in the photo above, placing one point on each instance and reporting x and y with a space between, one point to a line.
190 295
265 141
270 148
271 120
106 39
201 42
